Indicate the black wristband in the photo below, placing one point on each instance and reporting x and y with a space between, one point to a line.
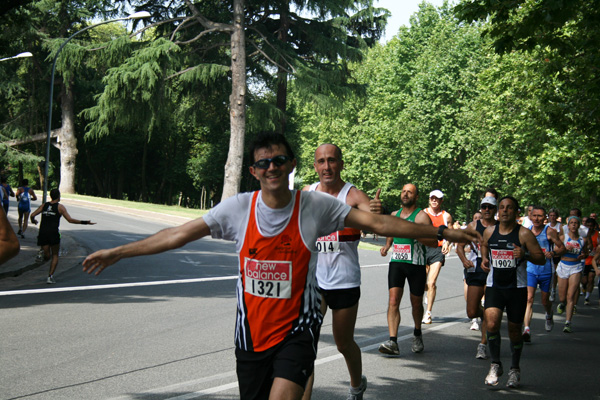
85 222
441 231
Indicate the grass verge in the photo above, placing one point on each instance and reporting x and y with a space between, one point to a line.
158 208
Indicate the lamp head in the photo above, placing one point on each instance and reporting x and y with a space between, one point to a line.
139 15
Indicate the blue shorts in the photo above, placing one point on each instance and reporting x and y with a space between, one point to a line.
544 281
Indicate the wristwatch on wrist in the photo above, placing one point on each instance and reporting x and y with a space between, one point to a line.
440 231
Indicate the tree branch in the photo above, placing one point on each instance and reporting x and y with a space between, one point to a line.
293 70
216 26
198 36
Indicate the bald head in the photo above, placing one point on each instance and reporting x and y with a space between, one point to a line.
328 164
329 148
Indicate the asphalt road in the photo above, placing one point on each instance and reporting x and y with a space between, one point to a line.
161 327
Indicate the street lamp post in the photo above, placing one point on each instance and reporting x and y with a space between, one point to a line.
20 55
137 15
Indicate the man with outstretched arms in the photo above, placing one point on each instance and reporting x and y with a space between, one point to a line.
407 262
475 276
436 256
275 230
338 269
505 249
541 274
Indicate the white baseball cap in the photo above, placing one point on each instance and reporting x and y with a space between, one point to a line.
489 200
437 193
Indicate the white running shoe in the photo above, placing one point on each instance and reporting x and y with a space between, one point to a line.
481 352
427 318
514 378
357 394
527 335
474 324
496 372
549 323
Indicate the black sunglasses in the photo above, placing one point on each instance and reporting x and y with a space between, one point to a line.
487 207
277 160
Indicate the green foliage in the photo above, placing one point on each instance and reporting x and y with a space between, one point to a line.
443 111
134 92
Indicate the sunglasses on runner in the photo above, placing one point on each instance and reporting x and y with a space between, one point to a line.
487 207
277 160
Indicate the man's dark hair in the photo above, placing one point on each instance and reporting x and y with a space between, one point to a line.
25 182
266 140
554 210
515 201
55 194
539 208
577 211
492 191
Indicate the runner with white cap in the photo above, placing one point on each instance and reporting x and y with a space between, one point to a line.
436 256
475 276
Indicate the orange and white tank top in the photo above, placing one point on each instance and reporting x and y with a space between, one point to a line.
438 219
277 292
338 266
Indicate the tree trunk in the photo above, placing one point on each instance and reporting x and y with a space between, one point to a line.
68 142
144 162
237 101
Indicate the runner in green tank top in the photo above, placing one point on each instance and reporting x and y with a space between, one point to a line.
409 251
407 263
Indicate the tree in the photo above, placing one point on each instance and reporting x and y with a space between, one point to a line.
564 39
58 18
202 27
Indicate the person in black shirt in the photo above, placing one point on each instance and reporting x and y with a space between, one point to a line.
504 251
49 236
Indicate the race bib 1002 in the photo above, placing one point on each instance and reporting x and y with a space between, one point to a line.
402 252
503 259
329 243
272 279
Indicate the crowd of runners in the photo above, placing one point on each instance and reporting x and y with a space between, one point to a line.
298 258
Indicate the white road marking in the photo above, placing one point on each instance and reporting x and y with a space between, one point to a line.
234 384
319 361
114 286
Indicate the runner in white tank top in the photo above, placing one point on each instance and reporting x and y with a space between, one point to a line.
338 269
338 266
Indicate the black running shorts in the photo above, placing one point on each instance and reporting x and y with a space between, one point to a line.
48 239
338 299
292 359
514 300
416 275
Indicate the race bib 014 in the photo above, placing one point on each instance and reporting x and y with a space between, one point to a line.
329 243
271 279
